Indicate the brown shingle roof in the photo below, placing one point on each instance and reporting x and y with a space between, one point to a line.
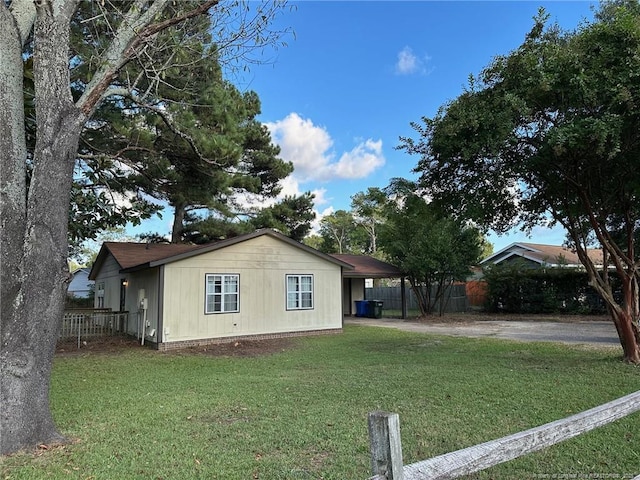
551 255
135 256
368 267
129 254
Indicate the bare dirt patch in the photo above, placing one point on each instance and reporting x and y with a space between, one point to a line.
120 344
240 348
104 345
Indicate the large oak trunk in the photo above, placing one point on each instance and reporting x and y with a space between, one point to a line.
33 234
30 333
30 330
34 249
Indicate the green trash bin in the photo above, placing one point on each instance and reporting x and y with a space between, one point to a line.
374 308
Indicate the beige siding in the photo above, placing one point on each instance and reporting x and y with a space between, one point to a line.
357 292
143 284
109 276
262 264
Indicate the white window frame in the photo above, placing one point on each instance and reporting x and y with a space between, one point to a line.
224 303
100 295
299 297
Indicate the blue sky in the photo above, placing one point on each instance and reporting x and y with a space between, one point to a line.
355 74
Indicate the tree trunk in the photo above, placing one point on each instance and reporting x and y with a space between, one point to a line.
423 295
33 235
628 333
623 316
33 303
13 156
625 321
177 229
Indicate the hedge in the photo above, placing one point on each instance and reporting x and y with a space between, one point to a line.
517 288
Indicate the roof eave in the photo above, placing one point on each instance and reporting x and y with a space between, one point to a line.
524 246
136 268
374 275
243 238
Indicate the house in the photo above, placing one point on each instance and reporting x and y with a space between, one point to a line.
80 285
536 255
258 285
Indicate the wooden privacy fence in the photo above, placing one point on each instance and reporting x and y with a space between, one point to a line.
92 323
455 298
386 448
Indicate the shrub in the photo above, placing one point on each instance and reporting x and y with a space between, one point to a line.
518 288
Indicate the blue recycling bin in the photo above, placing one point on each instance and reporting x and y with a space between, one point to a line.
361 308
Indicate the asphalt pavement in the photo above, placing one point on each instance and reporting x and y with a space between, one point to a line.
588 332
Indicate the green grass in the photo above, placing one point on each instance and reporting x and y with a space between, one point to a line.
301 413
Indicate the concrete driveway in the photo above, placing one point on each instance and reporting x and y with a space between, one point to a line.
588 332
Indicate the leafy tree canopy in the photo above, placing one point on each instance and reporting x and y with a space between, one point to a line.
551 130
367 209
292 216
433 249
341 234
177 131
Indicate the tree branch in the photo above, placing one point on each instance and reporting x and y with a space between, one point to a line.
24 13
135 29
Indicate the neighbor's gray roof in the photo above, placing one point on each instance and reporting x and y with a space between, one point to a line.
551 255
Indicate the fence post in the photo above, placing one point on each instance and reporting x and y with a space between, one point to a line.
79 319
386 447
403 298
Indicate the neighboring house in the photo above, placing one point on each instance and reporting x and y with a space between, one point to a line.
536 256
80 285
258 285
365 267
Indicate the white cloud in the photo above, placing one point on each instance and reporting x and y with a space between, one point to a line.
315 225
409 63
290 186
320 196
309 148
361 161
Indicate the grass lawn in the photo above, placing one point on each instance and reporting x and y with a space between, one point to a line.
301 413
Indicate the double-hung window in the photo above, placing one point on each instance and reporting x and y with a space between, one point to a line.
299 292
100 295
222 293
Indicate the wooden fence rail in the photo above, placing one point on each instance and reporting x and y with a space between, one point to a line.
83 323
386 449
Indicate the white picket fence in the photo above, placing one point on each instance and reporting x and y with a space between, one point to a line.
386 448
85 323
